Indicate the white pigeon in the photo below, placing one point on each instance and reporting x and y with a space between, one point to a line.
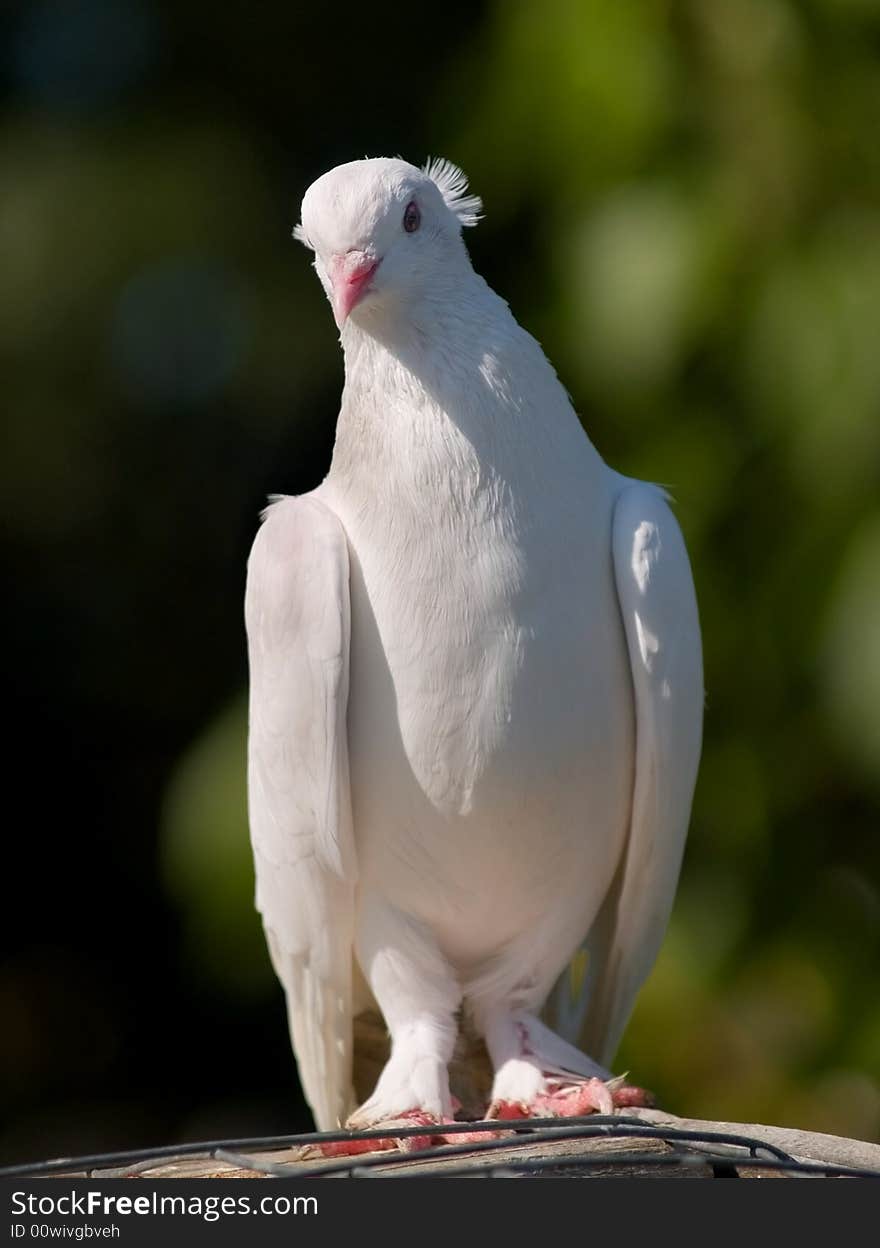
476 688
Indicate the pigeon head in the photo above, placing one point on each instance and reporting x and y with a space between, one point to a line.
384 231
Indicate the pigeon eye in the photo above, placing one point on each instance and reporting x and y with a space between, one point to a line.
412 218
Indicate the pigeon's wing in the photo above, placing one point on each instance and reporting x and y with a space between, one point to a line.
297 615
594 1000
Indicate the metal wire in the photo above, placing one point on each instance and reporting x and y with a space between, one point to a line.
571 1129
750 1153
602 1161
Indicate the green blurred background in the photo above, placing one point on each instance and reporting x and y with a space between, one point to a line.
682 204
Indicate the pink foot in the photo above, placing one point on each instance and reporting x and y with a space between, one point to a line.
574 1100
381 1144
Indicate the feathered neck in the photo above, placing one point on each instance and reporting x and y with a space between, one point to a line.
457 311
456 383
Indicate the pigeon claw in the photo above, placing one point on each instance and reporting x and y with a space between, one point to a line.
509 1110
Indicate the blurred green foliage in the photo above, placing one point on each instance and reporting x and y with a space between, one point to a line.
683 203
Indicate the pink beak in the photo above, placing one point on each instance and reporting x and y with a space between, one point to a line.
350 276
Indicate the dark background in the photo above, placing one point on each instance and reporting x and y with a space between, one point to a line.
682 204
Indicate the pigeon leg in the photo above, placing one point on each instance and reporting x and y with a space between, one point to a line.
418 994
540 1075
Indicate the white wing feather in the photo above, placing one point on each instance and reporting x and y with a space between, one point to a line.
659 611
297 615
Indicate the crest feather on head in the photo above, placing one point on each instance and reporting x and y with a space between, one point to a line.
453 184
